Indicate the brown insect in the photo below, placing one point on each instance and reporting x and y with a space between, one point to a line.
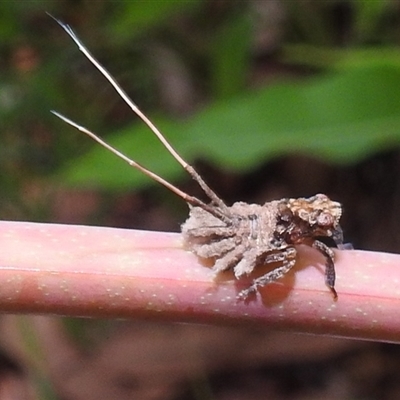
243 236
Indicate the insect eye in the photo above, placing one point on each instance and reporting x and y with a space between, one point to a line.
325 219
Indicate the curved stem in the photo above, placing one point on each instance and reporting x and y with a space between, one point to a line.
96 271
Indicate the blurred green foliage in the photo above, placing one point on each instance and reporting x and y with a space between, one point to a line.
342 117
261 79
346 108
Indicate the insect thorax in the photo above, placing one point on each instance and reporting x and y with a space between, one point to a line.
272 226
252 224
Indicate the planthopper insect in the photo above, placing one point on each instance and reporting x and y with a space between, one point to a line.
240 237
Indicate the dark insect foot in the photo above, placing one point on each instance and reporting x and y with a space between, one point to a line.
335 295
247 295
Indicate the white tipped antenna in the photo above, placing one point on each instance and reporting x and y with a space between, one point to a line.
190 199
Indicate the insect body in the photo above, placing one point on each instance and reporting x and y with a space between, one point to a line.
252 235
243 236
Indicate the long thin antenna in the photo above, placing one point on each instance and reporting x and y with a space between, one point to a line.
208 191
189 199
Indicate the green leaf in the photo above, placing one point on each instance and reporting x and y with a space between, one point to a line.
341 58
341 118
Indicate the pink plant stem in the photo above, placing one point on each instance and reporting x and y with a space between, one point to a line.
106 272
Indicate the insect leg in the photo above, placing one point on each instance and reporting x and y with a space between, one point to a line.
330 274
229 259
287 257
214 249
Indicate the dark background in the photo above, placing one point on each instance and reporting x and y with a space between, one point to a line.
268 99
